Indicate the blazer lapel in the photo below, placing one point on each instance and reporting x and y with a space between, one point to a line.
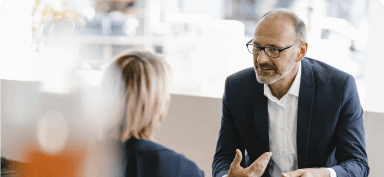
260 114
260 107
304 115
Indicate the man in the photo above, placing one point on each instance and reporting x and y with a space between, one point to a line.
305 112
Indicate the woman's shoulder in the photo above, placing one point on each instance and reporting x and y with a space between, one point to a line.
150 147
134 144
162 155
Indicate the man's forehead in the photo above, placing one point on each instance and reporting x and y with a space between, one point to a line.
275 28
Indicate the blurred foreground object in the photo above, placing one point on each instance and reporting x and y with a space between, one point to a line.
45 133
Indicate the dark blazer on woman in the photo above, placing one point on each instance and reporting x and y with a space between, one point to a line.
143 158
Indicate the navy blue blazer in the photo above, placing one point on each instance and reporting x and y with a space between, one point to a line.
330 130
143 158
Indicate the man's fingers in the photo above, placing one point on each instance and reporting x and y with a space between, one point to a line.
295 173
238 158
261 163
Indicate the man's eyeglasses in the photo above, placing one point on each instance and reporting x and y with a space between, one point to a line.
270 51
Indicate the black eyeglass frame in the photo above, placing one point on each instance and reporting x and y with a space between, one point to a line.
263 48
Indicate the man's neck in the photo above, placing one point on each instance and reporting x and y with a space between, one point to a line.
281 87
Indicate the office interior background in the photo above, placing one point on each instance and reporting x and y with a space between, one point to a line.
53 54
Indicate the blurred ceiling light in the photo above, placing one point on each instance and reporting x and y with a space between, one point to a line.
130 31
133 22
89 13
130 27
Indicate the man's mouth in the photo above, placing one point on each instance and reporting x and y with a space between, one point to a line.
265 68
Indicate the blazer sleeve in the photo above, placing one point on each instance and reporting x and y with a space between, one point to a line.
188 168
229 139
350 148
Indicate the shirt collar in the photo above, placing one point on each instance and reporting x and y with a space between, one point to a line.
294 89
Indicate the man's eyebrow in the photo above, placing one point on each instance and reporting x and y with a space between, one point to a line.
268 45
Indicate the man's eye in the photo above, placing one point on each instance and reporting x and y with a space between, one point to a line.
257 48
273 50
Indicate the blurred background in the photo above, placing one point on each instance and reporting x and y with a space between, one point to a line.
53 54
202 40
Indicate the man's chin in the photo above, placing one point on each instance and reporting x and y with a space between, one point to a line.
265 80
264 76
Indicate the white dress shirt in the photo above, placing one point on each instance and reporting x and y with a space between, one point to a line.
282 116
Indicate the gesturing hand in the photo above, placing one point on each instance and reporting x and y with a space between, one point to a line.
256 169
308 172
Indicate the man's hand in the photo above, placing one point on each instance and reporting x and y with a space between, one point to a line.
308 172
256 169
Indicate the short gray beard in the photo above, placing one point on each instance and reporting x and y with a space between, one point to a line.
277 77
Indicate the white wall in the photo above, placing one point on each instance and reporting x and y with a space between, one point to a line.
374 138
193 124
374 94
192 128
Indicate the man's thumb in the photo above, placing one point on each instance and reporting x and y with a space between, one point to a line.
238 158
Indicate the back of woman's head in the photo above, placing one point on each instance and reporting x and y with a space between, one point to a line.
139 81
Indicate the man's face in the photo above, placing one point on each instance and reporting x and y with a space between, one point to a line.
279 33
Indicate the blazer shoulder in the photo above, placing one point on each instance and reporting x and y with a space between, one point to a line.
326 73
244 76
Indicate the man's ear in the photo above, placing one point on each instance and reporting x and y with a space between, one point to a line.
303 46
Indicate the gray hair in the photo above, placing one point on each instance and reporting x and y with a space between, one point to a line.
299 25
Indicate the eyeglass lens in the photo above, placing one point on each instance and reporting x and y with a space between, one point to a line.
272 52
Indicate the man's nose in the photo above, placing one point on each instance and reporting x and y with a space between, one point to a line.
262 57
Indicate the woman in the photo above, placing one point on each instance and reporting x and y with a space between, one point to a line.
138 99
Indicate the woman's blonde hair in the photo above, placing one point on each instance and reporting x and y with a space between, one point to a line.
140 80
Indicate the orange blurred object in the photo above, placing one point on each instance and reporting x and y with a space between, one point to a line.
66 163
